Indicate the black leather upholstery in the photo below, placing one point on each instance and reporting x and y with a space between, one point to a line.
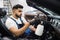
3 30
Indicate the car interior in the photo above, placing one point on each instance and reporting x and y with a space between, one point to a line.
51 10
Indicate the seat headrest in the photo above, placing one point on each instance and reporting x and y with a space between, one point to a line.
2 13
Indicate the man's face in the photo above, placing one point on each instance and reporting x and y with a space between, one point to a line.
18 12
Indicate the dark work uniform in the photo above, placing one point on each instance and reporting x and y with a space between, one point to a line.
26 33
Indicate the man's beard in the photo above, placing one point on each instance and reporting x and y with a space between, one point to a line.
18 16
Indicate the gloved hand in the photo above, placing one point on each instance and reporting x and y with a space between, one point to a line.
37 19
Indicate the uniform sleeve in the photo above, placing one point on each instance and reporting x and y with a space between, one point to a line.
10 23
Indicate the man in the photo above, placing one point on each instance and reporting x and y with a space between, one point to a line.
16 24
